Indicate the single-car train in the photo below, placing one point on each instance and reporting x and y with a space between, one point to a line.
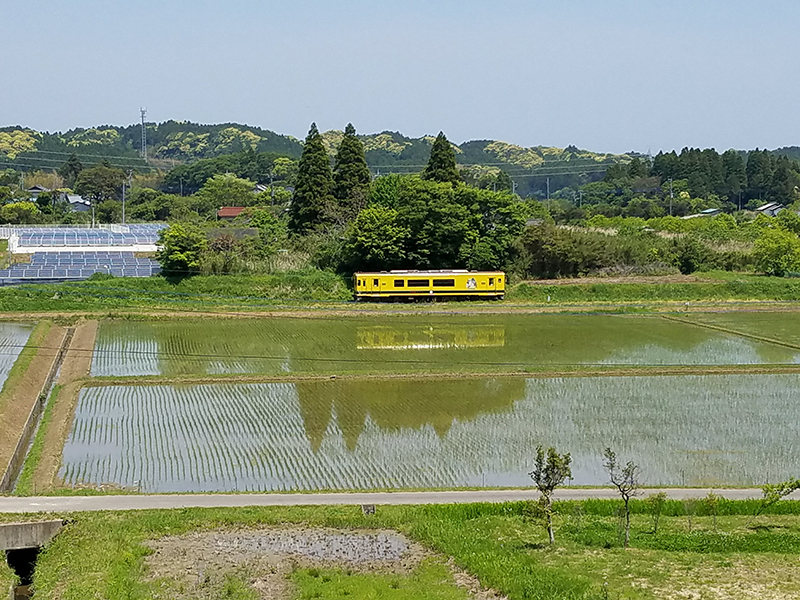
430 285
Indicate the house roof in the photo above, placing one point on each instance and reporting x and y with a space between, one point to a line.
38 188
230 212
770 206
710 211
75 199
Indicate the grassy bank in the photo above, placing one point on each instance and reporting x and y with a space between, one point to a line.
25 483
743 287
192 293
306 288
710 555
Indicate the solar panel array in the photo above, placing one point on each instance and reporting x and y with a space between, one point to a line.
43 237
80 265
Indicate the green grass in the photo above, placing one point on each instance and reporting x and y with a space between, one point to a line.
309 287
432 580
7 578
737 287
192 293
24 485
101 555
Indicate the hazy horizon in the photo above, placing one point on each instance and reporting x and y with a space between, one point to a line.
620 76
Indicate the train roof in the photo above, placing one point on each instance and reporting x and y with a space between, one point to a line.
430 272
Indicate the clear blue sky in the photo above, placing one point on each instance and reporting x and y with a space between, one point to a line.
611 75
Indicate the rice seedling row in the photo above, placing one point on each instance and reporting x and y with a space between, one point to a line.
682 430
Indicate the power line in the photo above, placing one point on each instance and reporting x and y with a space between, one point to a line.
79 154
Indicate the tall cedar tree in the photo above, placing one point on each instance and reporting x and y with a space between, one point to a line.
351 175
442 163
314 184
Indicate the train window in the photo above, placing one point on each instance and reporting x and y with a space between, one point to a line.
418 282
491 280
375 282
399 283
499 280
444 283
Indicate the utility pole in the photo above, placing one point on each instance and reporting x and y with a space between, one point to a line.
513 187
548 189
671 196
130 175
580 196
143 111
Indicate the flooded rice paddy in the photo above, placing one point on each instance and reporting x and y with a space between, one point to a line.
13 337
409 344
401 433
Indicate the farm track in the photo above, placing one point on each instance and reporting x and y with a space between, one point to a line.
25 392
576 371
76 367
310 310
66 504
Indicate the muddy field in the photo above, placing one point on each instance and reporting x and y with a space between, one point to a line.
200 565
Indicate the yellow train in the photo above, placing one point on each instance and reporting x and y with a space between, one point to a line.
403 285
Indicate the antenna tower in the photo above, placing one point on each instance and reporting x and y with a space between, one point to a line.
144 134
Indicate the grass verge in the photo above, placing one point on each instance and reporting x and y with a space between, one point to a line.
711 556
431 580
25 484
314 287
742 288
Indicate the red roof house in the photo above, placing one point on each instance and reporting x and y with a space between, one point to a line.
229 212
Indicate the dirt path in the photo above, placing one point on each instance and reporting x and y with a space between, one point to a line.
352 309
21 399
76 367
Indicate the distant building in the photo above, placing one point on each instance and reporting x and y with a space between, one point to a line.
36 190
709 212
771 209
229 213
77 203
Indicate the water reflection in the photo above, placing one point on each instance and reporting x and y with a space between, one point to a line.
409 344
430 337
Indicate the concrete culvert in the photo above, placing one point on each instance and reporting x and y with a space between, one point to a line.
23 563
22 543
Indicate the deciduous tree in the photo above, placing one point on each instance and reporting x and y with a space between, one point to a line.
626 480
549 471
181 249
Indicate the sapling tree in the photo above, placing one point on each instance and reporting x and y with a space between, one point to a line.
656 502
773 493
711 502
626 480
690 509
549 471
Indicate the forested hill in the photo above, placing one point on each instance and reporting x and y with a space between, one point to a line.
171 143
182 141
